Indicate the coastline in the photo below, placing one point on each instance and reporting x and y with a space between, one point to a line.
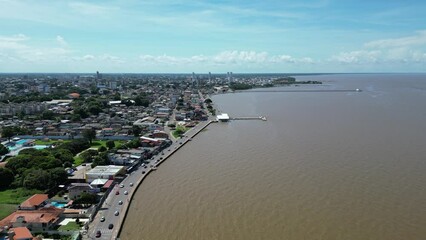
181 143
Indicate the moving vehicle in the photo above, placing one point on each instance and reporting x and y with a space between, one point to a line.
125 193
121 186
116 213
131 184
98 234
110 226
117 193
102 219
120 202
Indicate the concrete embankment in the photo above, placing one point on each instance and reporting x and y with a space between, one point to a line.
126 205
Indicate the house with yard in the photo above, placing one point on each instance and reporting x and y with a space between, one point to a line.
34 202
39 220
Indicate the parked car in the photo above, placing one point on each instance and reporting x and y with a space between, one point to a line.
117 193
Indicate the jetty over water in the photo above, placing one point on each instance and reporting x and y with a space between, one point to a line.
263 118
224 117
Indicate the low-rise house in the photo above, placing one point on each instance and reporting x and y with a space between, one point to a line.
20 233
39 220
34 202
104 172
76 189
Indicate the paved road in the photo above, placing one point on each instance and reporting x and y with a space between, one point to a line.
111 204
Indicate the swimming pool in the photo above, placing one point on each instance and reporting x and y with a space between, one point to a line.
22 141
58 205
39 147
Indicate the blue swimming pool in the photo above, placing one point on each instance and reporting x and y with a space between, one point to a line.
58 205
22 141
38 147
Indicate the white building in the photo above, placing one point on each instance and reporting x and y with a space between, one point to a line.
224 117
104 172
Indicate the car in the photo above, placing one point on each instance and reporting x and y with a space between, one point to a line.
102 219
169 149
161 158
110 226
121 185
131 184
98 234
120 202
125 193
143 172
145 166
116 213
117 193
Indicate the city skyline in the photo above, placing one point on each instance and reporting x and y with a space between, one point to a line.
212 36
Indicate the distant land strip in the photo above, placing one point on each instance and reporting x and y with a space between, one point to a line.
278 91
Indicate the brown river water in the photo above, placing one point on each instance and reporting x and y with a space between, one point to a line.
325 165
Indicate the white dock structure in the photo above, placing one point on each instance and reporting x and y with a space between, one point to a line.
224 117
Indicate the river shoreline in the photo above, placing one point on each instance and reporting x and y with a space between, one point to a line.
188 137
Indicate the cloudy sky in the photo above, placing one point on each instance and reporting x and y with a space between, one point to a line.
148 36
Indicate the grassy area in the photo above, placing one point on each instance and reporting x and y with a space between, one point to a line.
71 226
100 143
6 209
179 131
16 196
11 198
78 160
48 142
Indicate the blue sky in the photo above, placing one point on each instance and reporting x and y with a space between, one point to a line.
218 36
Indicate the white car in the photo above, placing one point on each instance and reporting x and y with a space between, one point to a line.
122 185
116 213
125 193
131 184
120 202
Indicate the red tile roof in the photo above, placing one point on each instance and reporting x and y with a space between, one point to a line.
42 215
35 200
21 233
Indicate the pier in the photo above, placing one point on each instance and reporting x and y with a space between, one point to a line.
249 118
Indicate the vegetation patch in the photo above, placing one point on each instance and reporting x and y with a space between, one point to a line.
180 130
6 209
71 226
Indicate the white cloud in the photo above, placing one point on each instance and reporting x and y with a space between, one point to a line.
91 9
61 41
411 49
357 57
417 40
226 58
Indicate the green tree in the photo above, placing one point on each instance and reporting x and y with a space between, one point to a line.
89 134
102 149
57 176
48 115
36 179
86 198
6 178
8 132
110 144
3 150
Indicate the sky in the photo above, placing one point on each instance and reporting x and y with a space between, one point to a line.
240 36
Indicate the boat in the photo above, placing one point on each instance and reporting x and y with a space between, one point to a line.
263 118
358 90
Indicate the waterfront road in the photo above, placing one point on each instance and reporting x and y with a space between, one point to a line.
119 199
